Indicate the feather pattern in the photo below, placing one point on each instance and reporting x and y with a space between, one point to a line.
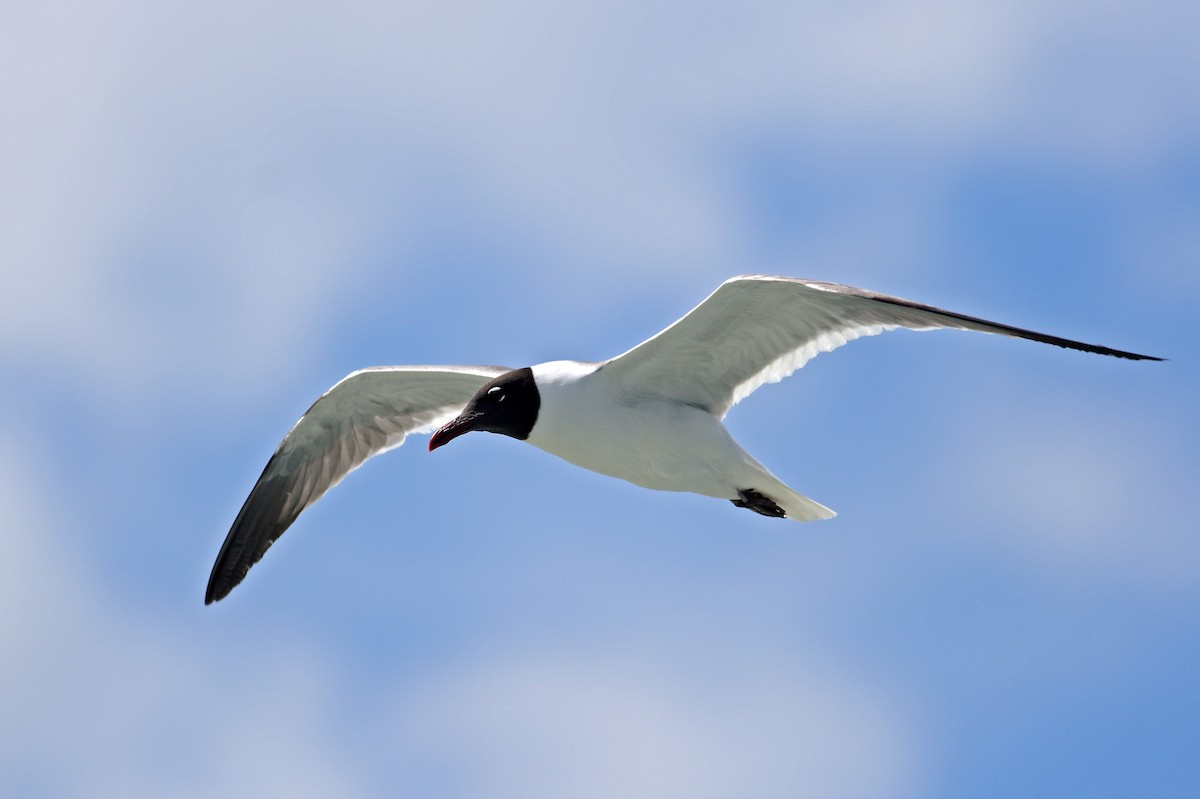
366 413
757 329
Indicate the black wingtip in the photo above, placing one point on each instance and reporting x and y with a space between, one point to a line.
218 587
221 581
1132 356
997 327
264 517
231 567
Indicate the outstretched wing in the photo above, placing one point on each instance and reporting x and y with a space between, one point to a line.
366 413
758 329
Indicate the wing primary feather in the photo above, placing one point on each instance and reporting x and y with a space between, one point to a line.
366 413
757 329
1020 332
753 329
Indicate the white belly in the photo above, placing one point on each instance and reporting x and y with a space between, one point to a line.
649 442
585 419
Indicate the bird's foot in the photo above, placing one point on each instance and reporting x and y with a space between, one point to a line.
758 503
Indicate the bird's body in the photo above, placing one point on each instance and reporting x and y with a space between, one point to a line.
651 416
591 420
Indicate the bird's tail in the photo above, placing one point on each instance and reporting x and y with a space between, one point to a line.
768 496
800 508
795 505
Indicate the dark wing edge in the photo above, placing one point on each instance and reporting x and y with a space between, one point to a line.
982 324
758 329
264 517
339 432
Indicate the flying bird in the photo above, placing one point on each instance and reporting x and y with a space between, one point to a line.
652 416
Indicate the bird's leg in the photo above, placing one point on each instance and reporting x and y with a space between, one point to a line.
758 503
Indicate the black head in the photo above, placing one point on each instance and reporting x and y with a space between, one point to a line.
507 405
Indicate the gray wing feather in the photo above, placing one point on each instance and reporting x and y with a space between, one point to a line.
366 413
757 329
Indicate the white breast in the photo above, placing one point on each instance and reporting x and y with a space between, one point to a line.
590 421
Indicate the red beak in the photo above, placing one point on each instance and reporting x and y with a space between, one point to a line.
452 430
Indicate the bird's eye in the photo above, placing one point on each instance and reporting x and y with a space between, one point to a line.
495 393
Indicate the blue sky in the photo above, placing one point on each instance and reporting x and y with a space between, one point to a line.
212 213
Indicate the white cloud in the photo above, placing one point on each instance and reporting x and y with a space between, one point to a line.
194 196
105 700
1080 491
598 129
102 699
645 724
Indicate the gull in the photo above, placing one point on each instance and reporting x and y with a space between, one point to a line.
651 416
